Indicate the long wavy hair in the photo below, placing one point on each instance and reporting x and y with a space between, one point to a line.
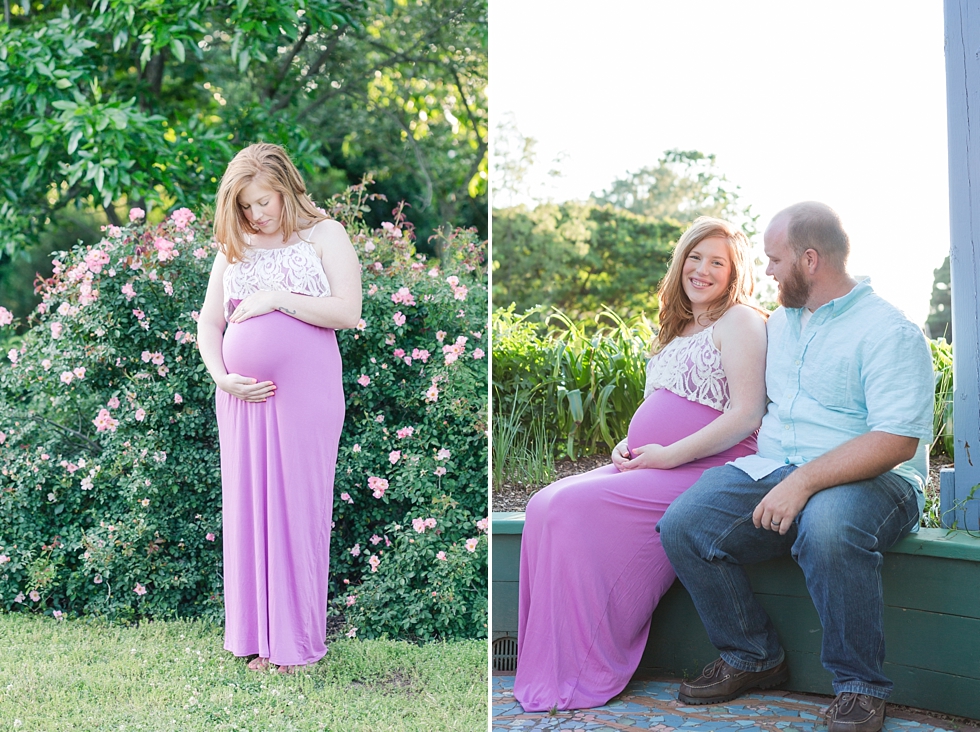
676 312
270 165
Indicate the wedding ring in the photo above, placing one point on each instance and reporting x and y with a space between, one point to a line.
774 523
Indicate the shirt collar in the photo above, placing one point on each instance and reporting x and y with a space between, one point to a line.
838 305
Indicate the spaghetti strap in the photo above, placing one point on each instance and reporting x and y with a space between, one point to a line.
309 241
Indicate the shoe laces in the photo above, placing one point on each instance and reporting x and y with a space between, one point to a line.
713 668
845 703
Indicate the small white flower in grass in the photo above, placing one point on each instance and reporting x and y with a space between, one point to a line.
352 633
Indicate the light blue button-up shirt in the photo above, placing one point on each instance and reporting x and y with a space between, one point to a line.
859 365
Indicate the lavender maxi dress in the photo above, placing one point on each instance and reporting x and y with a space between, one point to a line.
592 568
277 464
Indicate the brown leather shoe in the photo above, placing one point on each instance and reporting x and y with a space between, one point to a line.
855 713
719 682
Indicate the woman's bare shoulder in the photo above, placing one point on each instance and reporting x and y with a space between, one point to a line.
743 324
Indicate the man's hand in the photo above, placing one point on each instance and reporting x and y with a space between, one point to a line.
782 504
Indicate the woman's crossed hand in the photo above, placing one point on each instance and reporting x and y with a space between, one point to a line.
246 388
644 456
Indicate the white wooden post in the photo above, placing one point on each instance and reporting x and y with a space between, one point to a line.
963 122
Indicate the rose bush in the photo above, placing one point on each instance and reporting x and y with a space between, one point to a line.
109 479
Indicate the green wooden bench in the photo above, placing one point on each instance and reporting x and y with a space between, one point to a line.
932 619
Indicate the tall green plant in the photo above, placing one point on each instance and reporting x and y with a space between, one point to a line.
942 414
580 381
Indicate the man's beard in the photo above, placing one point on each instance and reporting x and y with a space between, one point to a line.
795 290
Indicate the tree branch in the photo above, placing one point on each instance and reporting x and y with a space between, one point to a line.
313 71
481 147
93 447
427 200
273 88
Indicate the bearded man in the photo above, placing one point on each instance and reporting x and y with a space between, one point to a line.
838 478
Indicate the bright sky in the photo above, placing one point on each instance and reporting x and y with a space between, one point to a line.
841 102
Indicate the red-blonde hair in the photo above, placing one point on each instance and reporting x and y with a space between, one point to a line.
676 312
270 165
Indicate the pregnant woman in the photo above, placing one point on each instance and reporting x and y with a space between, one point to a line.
592 568
285 277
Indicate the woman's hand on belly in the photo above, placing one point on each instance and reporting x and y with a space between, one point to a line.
621 455
258 303
649 456
245 388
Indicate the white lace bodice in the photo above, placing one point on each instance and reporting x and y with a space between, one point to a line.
690 366
294 268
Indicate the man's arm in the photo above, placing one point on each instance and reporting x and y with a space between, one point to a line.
861 458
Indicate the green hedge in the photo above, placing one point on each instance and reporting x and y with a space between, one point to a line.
109 474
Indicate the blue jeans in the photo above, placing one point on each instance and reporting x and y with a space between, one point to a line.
837 539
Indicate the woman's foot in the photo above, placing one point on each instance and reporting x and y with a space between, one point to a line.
259 664
287 669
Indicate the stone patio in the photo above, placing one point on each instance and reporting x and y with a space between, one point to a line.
652 705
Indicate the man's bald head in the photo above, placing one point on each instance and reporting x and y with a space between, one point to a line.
814 225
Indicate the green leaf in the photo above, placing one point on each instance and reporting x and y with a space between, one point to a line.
120 39
73 141
62 83
178 49
243 61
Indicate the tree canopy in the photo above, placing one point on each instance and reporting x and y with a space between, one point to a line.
683 185
579 257
142 102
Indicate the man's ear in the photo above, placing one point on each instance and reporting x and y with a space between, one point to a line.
811 260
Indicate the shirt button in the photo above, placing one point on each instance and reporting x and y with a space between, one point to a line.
798 362
785 426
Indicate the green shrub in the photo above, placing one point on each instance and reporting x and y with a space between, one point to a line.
109 474
582 379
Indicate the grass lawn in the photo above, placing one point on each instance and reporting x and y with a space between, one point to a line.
174 675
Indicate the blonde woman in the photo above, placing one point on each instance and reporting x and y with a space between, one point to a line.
284 279
592 568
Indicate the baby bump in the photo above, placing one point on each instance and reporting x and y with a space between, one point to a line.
664 418
271 347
